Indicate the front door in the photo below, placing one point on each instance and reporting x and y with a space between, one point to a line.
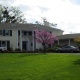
24 45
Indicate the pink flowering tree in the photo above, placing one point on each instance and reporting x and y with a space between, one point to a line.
44 38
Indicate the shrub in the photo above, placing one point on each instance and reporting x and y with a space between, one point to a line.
9 49
17 49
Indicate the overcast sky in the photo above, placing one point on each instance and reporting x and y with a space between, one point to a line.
66 13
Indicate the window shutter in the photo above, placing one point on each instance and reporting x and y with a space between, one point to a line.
18 32
31 44
3 32
10 32
8 44
25 33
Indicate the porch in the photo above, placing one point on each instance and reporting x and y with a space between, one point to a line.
26 40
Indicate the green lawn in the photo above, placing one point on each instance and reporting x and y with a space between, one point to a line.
39 66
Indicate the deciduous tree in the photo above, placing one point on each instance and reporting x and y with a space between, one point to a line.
77 40
11 15
44 38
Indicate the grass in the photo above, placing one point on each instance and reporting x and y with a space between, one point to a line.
39 67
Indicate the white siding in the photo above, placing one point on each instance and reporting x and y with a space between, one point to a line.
13 39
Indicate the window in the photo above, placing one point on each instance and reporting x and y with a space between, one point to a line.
7 32
24 33
3 43
1 32
30 33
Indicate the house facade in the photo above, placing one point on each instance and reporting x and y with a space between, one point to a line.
22 35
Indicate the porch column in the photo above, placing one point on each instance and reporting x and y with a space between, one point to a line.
33 39
69 42
21 39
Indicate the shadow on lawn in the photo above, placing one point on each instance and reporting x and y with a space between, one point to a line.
77 62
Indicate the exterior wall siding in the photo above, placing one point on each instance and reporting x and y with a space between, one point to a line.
13 39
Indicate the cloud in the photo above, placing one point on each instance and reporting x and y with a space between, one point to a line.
43 9
77 2
63 12
24 8
7 2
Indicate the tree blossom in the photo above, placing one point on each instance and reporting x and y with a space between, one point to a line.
45 37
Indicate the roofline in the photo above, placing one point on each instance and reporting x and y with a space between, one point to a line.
28 24
69 36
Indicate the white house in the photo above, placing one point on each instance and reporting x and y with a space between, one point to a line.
22 35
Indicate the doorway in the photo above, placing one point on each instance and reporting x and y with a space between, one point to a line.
24 45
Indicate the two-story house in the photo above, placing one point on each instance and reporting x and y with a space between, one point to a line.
22 35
